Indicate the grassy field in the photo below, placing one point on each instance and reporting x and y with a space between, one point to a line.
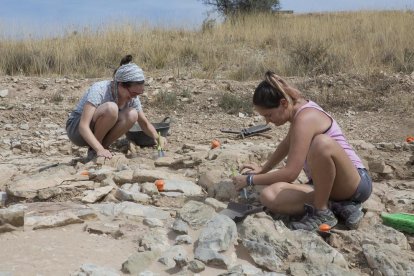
239 49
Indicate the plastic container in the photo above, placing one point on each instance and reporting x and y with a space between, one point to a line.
137 135
400 221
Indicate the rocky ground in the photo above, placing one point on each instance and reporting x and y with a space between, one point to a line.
60 215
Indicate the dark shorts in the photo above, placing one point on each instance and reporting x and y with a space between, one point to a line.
72 130
364 188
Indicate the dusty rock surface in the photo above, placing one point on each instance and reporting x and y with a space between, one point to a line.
62 216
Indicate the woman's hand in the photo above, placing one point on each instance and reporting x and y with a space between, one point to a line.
251 169
240 182
162 142
104 153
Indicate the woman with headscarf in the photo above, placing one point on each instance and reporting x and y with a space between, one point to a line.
108 110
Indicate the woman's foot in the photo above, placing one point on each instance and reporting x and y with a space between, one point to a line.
91 155
348 211
313 218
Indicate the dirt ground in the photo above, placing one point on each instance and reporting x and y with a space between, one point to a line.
59 250
38 101
388 117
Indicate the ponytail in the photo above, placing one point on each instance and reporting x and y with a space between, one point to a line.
270 91
271 79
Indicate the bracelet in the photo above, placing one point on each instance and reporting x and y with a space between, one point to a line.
249 180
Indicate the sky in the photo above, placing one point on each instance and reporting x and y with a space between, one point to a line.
302 6
52 17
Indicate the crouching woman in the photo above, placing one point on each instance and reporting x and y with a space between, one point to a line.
108 110
315 143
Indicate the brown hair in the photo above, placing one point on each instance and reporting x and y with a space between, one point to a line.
125 60
270 91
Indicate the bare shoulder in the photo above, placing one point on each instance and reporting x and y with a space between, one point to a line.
313 120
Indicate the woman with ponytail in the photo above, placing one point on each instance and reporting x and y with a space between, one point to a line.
338 181
108 110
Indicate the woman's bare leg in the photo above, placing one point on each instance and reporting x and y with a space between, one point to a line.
126 119
104 119
333 173
286 198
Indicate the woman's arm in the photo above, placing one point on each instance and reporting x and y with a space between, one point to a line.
84 129
303 129
277 156
147 127
297 144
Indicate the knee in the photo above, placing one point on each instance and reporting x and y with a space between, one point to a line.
110 109
131 115
321 145
269 194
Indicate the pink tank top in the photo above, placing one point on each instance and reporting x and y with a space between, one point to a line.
335 133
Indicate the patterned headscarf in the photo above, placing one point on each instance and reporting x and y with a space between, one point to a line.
129 72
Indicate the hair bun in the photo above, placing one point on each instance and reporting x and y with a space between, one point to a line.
126 59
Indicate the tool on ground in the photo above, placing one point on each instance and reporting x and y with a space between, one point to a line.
400 221
48 167
160 150
324 230
250 131
238 211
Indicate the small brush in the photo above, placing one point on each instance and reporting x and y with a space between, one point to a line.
160 150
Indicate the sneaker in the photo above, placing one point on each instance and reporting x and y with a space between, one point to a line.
313 218
91 154
348 211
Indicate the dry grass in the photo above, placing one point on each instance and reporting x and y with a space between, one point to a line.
240 49
234 103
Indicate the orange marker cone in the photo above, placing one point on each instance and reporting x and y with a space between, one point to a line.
160 184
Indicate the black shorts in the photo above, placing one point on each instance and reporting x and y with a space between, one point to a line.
72 130
364 188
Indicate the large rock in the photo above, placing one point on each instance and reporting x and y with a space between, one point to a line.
196 213
186 187
123 177
28 187
144 175
94 270
14 215
139 262
217 236
96 194
389 260
272 245
53 220
209 179
130 210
